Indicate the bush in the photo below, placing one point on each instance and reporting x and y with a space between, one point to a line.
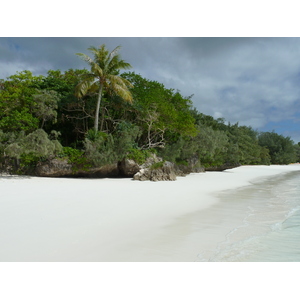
76 158
157 165
30 149
102 148
281 149
140 156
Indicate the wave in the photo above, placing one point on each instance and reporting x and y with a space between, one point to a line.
270 228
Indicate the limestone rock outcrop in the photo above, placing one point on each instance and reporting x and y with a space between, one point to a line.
153 169
61 168
165 172
54 168
128 167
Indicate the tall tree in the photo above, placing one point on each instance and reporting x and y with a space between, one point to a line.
282 149
104 76
161 113
17 104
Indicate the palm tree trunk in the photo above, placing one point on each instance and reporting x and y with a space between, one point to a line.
102 118
96 124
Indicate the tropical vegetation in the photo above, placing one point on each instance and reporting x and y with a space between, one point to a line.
100 116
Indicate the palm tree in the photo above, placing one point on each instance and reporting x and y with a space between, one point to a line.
104 76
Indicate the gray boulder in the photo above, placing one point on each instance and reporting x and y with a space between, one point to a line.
54 168
61 168
128 167
165 172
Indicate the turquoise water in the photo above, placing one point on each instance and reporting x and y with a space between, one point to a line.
270 227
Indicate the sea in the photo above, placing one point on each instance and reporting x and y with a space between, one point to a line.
266 218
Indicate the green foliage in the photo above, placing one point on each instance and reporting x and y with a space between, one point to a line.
140 155
172 151
75 157
39 114
212 146
45 106
125 136
244 144
100 151
16 102
94 135
104 77
157 165
159 111
31 148
71 153
208 146
73 115
7 138
218 143
39 143
297 151
29 160
281 149
265 158
102 148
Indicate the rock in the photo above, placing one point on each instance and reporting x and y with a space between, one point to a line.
163 173
191 166
61 168
154 169
54 168
222 167
141 175
128 167
166 172
107 171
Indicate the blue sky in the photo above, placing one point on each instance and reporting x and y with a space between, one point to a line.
253 81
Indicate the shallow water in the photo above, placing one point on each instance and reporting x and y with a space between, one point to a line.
269 226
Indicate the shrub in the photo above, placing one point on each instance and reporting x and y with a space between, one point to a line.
140 156
76 158
28 150
101 150
157 165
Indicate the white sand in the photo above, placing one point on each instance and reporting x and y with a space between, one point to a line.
50 219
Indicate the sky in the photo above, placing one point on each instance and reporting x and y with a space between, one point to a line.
252 81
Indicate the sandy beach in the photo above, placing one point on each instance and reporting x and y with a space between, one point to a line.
113 220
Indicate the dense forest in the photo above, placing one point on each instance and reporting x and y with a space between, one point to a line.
100 115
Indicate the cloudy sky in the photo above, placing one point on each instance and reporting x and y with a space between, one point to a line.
253 81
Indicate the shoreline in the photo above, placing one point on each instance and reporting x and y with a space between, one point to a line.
66 219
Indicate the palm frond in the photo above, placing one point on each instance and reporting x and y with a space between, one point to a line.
119 86
84 85
105 69
123 93
97 70
94 88
118 64
114 52
114 79
81 89
113 55
100 55
127 82
85 57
